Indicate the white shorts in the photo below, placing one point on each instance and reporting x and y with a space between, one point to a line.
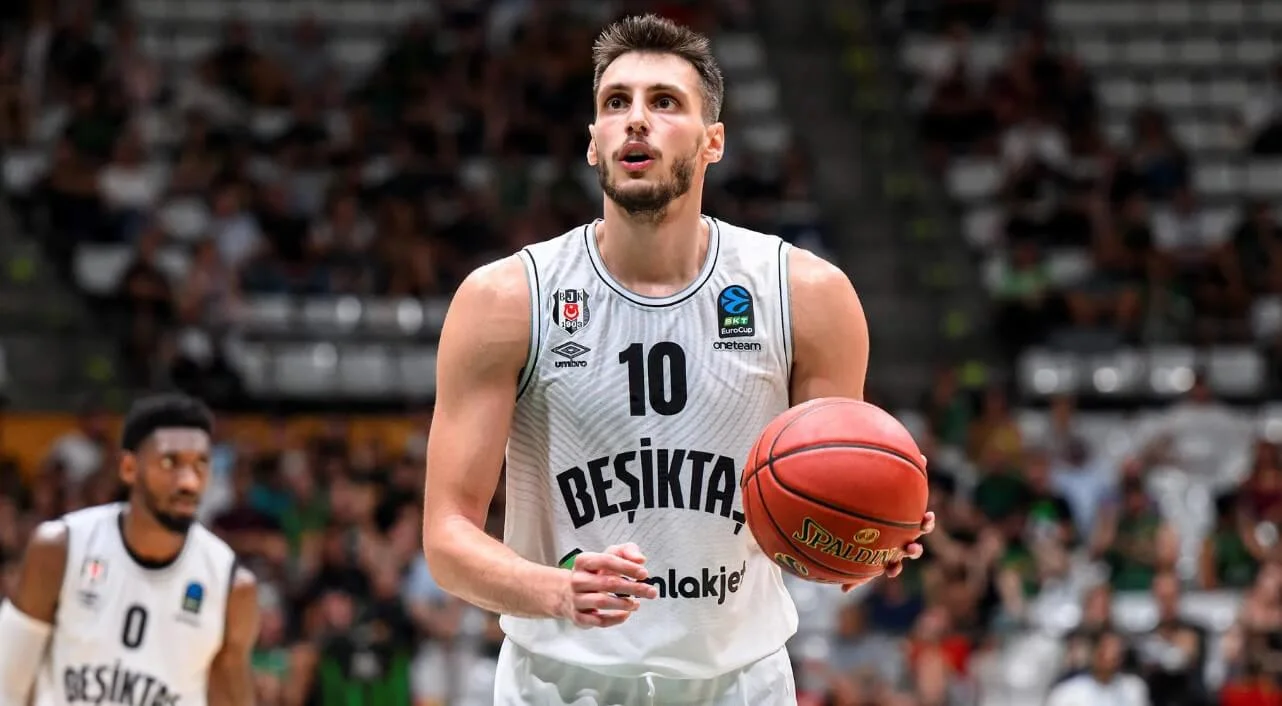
527 679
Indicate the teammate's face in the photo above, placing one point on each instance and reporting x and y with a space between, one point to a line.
168 476
649 141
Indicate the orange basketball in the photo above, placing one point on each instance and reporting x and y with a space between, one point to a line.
834 489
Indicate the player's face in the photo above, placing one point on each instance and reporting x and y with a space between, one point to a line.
649 141
168 476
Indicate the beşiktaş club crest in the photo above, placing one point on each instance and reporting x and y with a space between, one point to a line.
570 309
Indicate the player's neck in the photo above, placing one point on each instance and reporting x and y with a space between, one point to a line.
654 258
147 540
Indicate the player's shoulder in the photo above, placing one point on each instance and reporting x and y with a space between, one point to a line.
502 289
810 273
203 540
572 241
738 236
90 516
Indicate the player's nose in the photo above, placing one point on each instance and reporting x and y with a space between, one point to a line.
638 119
188 478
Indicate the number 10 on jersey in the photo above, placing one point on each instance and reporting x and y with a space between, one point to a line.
657 376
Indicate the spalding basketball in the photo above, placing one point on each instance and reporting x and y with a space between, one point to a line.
834 490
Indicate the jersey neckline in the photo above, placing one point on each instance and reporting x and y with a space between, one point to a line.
705 272
143 562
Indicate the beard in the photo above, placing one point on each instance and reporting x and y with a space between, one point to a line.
649 202
178 524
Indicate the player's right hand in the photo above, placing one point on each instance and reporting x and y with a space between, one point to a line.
604 587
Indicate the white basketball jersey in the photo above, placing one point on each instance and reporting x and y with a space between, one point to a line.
126 634
633 424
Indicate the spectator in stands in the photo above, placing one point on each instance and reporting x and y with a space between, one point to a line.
1026 302
1261 119
862 662
1200 435
1159 165
1105 682
957 118
939 658
81 453
1253 646
949 409
15 106
1231 555
1250 263
1171 657
1083 482
995 434
147 302
1096 620
1113 295
1132 537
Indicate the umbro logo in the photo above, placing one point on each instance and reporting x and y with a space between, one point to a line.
571 351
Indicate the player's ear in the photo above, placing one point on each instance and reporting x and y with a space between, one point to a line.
592 155
714 147
128 468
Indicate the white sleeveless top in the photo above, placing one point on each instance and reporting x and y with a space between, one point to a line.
125 634
633 422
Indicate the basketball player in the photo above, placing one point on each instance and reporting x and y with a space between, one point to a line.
135 603
626 367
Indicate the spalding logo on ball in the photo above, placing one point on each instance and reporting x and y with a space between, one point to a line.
815 536
835 489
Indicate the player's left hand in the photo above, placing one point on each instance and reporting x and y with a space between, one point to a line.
912 551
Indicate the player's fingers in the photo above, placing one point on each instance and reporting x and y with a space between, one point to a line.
596 602
893 569
612 618
628 551
928 523
583 582
914 551
587 619
610 564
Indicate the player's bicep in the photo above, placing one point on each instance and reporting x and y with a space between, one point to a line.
829 331
26 619
40 576
483 347
231 677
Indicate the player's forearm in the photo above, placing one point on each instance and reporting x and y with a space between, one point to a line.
468 563
22 647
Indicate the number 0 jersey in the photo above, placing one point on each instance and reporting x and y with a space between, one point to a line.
634 419
125 633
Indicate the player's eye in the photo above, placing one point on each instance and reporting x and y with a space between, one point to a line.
614 103
665 103
167 462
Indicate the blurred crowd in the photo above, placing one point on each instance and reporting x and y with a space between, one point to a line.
1164 267
281 169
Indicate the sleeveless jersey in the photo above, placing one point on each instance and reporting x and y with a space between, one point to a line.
634 419
125 634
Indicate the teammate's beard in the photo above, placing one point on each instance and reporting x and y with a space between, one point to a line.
650 202
177 524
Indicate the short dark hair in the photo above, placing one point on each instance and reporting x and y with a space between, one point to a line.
163 411
654 34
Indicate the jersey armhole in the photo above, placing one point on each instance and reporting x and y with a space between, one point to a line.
785 305
66 569
536 332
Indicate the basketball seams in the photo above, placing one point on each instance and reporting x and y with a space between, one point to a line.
787 540
770 453
845 511
848 445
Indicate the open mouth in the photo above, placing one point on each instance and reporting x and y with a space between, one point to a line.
636 157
